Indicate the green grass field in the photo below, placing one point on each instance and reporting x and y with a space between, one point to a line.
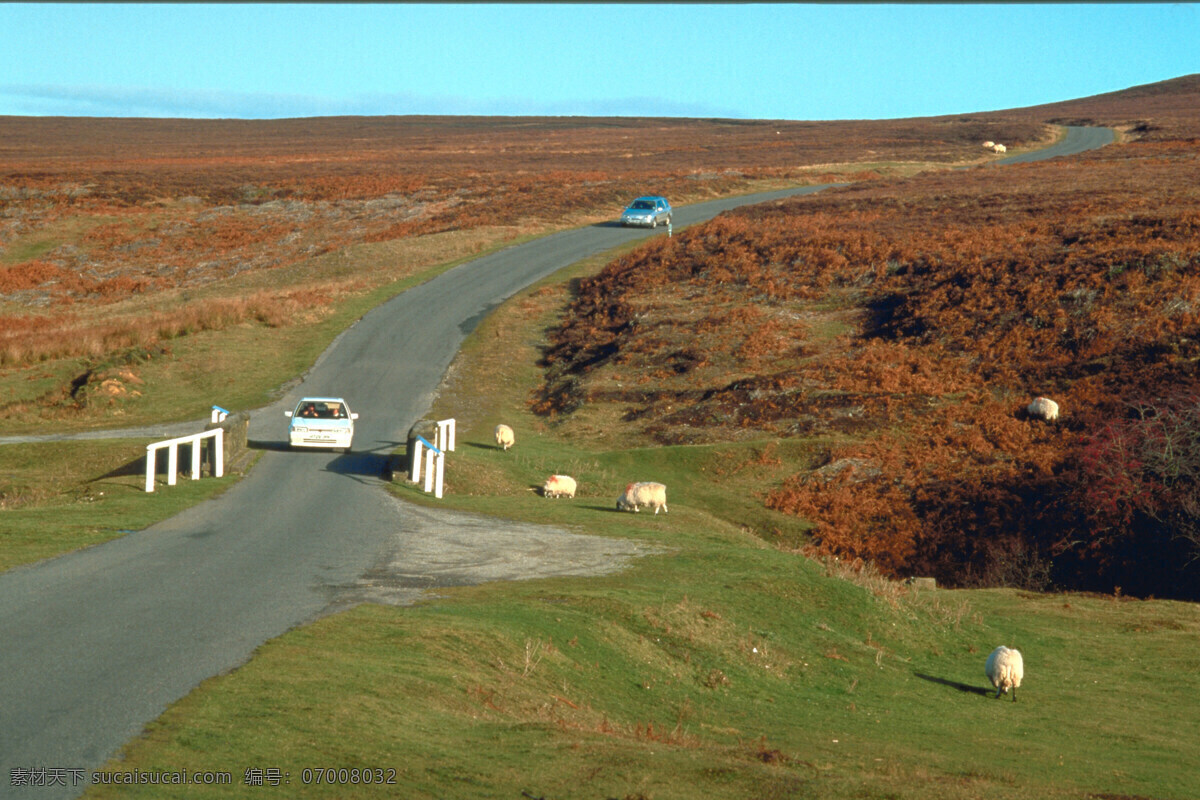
721 670
724 666
98 493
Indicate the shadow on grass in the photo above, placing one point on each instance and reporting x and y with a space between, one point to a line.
962 687
612 508
135 467
481 446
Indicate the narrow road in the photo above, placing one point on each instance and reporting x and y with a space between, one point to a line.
96 644
1076 141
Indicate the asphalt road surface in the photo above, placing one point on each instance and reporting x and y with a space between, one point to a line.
1076 141
96 644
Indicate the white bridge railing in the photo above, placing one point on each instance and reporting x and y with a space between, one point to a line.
434 457
172 447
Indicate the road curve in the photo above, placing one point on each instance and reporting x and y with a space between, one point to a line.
96 643
1076 140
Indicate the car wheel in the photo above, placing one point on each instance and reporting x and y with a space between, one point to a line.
654 222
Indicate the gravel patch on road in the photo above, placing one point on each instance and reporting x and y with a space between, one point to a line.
437 548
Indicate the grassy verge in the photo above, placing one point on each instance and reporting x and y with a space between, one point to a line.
98 493
765 678
722 667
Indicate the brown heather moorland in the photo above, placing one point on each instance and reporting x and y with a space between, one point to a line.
123 234
904 321
908 322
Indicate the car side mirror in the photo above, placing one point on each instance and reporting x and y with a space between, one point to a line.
287 413
353 415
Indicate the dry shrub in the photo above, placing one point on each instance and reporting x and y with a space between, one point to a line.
963 297
29 275
26 339
1136 485
857 518
279 309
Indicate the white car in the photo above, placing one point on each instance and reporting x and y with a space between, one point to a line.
321 422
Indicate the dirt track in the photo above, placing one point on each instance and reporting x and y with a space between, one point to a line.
436 548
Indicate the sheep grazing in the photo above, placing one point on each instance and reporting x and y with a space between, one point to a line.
999 148
1004 669
504 436
1043 408
559 486
988 145
646 493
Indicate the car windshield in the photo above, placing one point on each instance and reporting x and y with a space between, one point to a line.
322 411
642 205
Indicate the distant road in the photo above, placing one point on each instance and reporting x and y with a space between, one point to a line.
1076 141
95 644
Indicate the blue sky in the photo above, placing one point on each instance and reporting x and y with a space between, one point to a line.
750 61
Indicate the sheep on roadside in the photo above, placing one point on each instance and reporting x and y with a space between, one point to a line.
504 436
559 486
644 493
988 145
1043 408
1005 668
999 148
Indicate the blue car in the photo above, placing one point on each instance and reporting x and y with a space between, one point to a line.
647 212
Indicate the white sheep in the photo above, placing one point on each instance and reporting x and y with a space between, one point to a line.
1043 408
988 145
559 486
504 436
1005 668
645 493
999 148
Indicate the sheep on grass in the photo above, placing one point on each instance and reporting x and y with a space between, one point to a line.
504 436
644 493
559 486
1004 669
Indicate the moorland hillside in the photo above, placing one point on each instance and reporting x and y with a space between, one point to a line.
1157 112
97 215
121 240
905 320
908 323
